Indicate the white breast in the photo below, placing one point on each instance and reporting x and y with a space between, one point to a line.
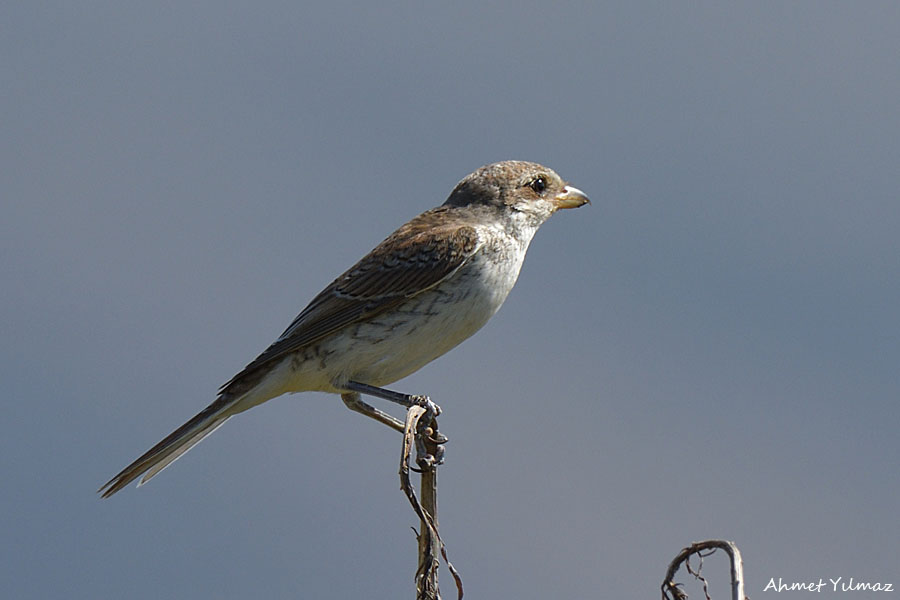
428 325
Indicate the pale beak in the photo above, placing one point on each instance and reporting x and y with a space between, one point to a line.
570 197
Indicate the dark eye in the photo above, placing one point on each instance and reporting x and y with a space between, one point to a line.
538 184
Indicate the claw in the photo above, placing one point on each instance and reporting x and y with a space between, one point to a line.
429 461
436 437
426 403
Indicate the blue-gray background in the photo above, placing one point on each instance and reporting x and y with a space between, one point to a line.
710 350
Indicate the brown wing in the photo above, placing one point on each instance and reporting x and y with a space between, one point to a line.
415 258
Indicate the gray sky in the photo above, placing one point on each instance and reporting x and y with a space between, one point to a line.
710 350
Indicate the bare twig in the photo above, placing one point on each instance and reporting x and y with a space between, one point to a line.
424 435
673 591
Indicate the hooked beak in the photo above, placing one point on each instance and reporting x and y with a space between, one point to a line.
570 197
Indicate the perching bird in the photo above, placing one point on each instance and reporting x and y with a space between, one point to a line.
430 285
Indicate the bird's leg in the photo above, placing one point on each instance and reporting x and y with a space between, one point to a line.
355 403
429 421
405 400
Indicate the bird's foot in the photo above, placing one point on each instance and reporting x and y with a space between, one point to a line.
436 437
431 409
427 461
429 441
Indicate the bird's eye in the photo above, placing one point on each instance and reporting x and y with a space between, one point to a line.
538 184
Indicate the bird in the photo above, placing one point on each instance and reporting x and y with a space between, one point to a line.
426 288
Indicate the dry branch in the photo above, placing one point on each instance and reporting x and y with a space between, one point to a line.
673 591
424 435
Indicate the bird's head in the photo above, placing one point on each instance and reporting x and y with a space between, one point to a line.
517 186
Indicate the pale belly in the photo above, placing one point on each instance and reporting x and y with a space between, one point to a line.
403 340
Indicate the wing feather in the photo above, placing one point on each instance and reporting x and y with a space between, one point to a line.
415 258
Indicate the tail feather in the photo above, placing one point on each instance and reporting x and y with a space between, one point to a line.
182 449
172 447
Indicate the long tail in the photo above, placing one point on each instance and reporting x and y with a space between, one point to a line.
170 449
